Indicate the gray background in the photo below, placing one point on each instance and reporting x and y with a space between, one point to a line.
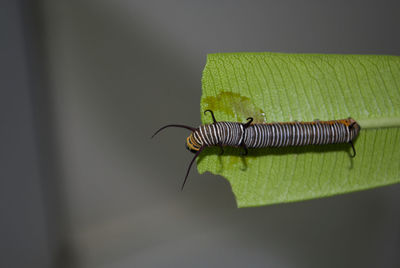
85 83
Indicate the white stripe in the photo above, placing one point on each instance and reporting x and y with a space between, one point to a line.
334 133
265 135
218 132
281 135
308 138
231 133
241 134
273 134
316 133
215 137
298 133
206 141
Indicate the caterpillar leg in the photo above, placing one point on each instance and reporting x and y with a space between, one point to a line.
249 120
212 114
246 151
354 150
222 149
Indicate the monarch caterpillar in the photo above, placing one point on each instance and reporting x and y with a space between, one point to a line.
248 135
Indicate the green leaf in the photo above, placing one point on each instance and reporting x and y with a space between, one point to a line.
274 87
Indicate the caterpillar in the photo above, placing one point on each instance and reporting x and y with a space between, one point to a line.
252 135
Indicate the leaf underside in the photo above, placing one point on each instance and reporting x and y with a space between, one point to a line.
275 87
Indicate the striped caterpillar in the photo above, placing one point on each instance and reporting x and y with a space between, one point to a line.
248 135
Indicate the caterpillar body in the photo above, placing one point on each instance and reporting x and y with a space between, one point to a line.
248 135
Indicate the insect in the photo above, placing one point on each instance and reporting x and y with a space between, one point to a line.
248 135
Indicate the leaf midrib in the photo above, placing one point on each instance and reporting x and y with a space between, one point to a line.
375 123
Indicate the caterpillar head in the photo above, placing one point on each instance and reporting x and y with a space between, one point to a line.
191 144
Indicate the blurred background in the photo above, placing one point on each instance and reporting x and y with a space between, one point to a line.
85 83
